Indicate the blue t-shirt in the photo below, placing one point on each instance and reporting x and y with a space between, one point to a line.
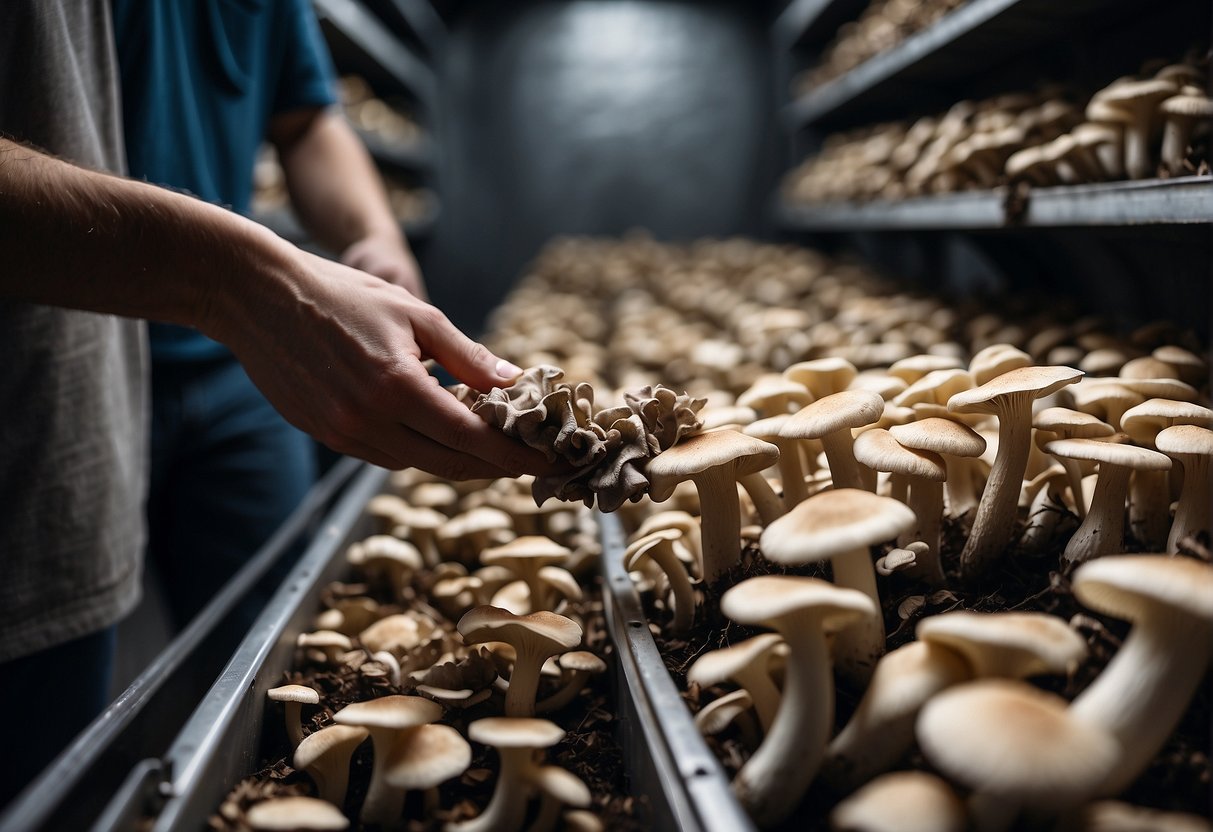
200 81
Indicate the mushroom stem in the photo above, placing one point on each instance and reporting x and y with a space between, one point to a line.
766 501
383 804
1146 687
858 646
720 521
926 501
1137 148
1150 508
772 781
294 723
1103 529
960 488
507 806
791 473
1074 477
524 684
840 453
995 520
1192 511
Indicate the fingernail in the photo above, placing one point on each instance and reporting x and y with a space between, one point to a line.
507 370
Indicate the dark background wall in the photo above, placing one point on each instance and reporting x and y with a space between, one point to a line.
595 117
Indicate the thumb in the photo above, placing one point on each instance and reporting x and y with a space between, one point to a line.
468 361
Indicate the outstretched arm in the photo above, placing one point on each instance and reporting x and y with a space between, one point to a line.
337 351
340 197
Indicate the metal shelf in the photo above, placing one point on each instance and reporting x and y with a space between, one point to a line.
1181 201
812 21
974 37
357 36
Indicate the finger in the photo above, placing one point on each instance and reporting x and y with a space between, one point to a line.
435 412
414 450
465 359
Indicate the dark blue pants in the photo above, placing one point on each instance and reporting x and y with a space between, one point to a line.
227 470
50 697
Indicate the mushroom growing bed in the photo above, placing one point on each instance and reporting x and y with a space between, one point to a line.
742 325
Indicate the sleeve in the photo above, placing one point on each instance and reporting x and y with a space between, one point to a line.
307 78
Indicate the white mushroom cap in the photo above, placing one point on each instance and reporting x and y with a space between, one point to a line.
515 732
325 755
746 663
1015 744
942 436
834 523
426 757
1007 644
996 359
901 801
295 814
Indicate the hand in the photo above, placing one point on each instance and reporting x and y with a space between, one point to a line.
339 353
387 259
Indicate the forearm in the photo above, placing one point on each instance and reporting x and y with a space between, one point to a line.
87 240
333 183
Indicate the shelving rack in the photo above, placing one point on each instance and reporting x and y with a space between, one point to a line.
1134 233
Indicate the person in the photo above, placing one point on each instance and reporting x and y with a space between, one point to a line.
203 84
83 253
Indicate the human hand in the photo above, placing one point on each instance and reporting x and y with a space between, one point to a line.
387 259
339 353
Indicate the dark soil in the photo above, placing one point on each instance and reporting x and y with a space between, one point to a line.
589 749
1179 779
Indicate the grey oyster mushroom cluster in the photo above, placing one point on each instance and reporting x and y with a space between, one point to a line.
607 449
1156 123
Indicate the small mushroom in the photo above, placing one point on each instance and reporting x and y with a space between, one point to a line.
1193 447
1182 113
385 719
1009 397
1024 754
715 462
525 556
661 548
745 663
516 740
1142 693
294 697
534 637
901 801
840 526
831 419
325 755
1137 100
577 666
557 788
425 757
803 611
295 814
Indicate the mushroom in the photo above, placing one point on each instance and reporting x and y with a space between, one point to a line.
684 522
419 525
881 730
385 719
557 788
525 556
841 526
803 611
715 462
1149 492
1137 100
831 419
1193 447
295 814
325 645
1182 113
822 376
534 638
745 663
1012 645
1102 530
901 801
1064 423
425 757
390 557
1009 397
1024 754
294 697
992 361
465 536
325 755
660 547
517 741
577 666
732 708
791 471
921 473
1142 693
772 395
958 444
